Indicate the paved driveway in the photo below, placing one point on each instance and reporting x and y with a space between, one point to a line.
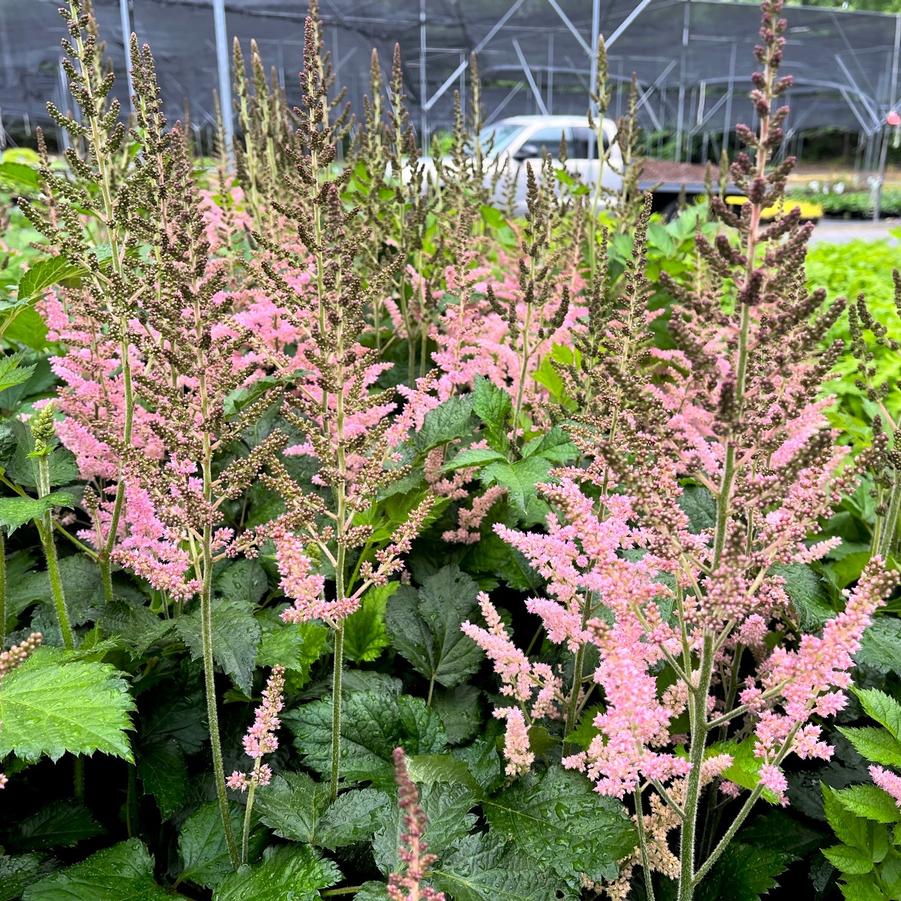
838 231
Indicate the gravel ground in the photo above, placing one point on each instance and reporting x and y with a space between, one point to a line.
838 231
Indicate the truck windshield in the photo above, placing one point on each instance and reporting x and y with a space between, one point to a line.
497 137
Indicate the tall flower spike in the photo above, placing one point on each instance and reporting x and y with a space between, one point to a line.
413 850
261 739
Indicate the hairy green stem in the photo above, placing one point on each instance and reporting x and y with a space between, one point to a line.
889 524
337 667
693 787
45 530
248 810
734 826
206 634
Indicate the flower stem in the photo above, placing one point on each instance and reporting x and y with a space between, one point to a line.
248 810
337 667
751 800
693 788
889 524
45 530
643 846
206 634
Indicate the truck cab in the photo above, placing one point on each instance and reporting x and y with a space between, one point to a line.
525 140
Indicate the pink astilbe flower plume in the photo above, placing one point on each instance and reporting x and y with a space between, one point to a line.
888 781
261 738
534 687
413 850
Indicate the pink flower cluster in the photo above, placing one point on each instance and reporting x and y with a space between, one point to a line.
261 736
413 850
888 781
535 688
811 680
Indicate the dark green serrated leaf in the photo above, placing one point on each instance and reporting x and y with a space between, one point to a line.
61 463
561 823
879 646
743 873
49 709
809 595
460 710
19 871
121 873
372 891
483 867
61 824
493 406
291 806
236 636
365 634
698 505
783 831
202 846
352 817
492 556
447 809
164 774
424 626
446 422
286 874
16 511
242 580
372 726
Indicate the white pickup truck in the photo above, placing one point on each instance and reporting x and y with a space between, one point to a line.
521 140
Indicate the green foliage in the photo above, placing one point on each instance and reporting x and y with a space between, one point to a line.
16 511
365 632
61 824
866 819
484 867
285 872
373 725
50 706
743 873
424 626
202 847
561 823
123 872
236 637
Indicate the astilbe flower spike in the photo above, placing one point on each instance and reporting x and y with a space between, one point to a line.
260 740
733 415
888 781
413 850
